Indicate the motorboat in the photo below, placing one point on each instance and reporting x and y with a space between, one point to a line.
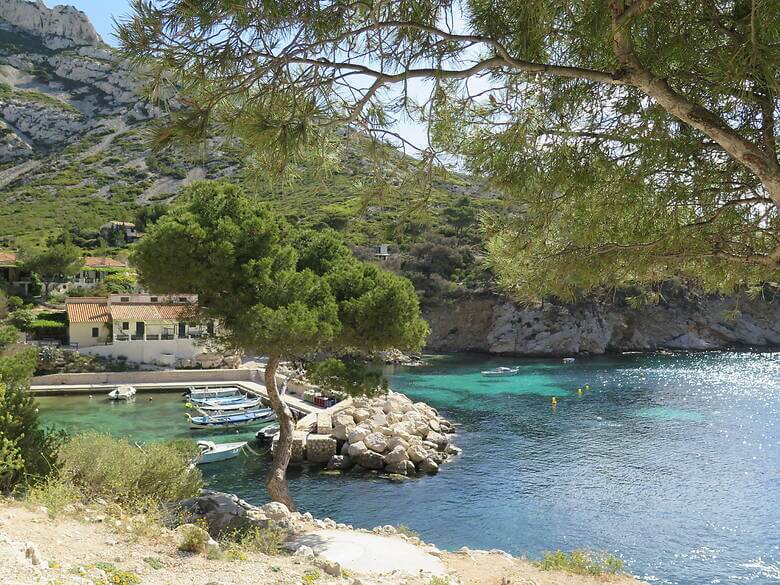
501 371
194 393
569 360
214 406
229 421
124 392
211 452
267 434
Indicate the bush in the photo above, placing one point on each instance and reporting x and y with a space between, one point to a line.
267 541
101 466
192 538
23 319
581 562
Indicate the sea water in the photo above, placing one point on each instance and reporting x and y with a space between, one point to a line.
671 462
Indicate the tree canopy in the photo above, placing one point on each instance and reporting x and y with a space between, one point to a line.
276 289
55 263
638 139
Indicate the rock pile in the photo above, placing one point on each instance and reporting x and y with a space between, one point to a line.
389 433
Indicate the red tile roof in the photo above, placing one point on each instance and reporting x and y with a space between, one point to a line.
88 310
150 312
101 262
7 258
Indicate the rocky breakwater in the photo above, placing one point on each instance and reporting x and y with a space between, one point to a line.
389 433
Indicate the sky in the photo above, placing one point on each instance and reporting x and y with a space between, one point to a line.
101 13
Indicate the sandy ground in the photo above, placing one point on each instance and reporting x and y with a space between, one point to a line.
36 549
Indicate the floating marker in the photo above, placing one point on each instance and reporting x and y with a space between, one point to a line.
579 391
554 401
587 386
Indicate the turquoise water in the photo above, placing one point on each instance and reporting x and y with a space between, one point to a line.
671 462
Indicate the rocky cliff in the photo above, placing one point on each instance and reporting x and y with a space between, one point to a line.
683 321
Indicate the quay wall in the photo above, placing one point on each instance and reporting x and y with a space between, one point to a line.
147 377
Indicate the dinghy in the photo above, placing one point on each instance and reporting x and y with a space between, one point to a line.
223 400
266 435
122 393
502 371
229 421
211 452
569 360
214 406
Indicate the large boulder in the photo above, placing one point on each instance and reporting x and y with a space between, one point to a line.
417 453
342 431
370 460
401 468
358 434
324 423
343 418
397 455
361 414
276 511
438 439
355 450
220 513
377 442
428 466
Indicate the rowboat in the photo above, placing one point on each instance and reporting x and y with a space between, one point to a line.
222 400
501 371
122 393
211 452
229 421
214 406
267 434
193 393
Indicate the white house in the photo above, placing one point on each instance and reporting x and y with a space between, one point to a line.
143 328
95 270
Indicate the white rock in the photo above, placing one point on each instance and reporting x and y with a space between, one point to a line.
304 551
357 449
358 434
377 442
417 453
397 455
276 511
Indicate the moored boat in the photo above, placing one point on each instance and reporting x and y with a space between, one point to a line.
220 400
211 452
214 406
266 435
228 421
193 393
124 392
502 371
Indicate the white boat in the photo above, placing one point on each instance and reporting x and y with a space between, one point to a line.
569 360
220 400
211 452
502 371
229 421
214 406
122 393
207 393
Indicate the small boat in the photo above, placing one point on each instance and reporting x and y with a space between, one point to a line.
266 435
211 452
122 393
223 400
229 421
569 360
193 393
502 371
209 406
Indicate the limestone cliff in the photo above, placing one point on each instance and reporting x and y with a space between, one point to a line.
702 322
59 28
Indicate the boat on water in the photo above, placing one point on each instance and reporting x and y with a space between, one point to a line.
211 452
213 406
124 392
501 371
219 400
229 421
569 360
266 435
193 394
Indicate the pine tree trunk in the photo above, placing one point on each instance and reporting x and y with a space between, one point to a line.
276 482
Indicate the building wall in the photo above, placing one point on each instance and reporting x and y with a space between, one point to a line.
164 353
81 334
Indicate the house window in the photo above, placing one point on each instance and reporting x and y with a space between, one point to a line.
182 299
95 332
125 325
124 299
153 299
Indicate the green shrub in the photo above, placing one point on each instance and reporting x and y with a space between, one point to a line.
267 541
101 466
581 562
23 319
54 494
194 539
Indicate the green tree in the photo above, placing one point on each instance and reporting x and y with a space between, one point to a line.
637 138
27 452
120 282
275 288
55 263
461 216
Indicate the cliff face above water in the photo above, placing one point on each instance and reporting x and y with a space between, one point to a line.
705 322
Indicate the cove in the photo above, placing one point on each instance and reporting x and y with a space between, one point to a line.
670 461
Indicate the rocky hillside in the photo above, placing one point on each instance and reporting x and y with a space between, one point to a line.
74 154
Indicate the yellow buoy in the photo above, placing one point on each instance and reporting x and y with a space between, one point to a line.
587 386
554 401
579 391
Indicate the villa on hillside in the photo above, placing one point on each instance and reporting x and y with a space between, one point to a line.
96 268
143 328
126 228
12 275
